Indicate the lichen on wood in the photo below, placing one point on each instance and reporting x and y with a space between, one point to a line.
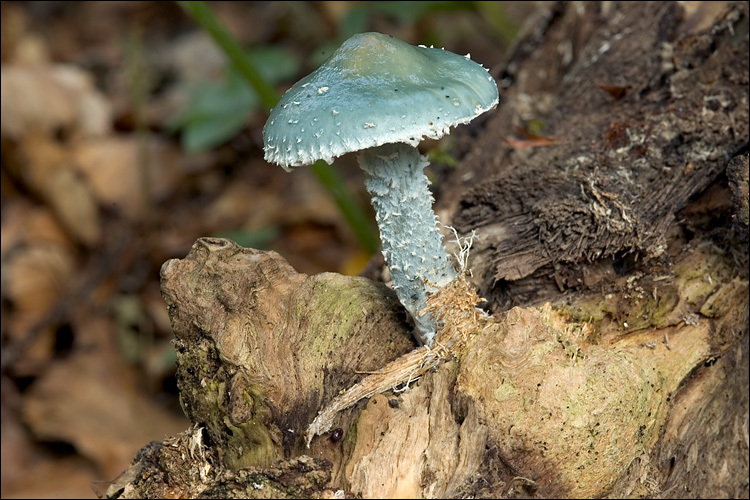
260 345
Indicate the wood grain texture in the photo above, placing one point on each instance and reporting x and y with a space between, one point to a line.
625 166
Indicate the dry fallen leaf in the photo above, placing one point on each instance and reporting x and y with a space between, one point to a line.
534 141
46 167
30 471
92 400
64 99
24 223
616 91
38 265
126 174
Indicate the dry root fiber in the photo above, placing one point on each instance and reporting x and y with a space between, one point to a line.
455 308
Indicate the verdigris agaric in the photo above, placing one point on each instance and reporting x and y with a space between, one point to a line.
381 96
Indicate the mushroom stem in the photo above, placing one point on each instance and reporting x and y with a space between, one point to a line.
412 245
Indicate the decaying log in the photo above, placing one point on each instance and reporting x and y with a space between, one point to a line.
624 166
575 408
616 267
583 408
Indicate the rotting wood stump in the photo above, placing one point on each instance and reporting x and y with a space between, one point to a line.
616 360
541 403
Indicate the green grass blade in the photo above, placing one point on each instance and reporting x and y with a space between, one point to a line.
361 226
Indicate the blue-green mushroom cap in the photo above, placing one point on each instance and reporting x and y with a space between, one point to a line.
375 90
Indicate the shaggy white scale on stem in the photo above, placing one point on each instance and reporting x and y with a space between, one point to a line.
412 245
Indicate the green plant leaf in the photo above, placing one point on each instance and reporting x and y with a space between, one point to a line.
211 132
215 113
258 238
275 64
356 20
411 12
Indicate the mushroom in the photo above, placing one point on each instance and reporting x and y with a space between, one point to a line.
380 96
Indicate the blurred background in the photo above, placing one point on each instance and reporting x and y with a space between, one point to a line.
129 129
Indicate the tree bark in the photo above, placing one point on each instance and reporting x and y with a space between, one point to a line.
612 254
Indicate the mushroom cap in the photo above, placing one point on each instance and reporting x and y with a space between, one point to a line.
375 90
